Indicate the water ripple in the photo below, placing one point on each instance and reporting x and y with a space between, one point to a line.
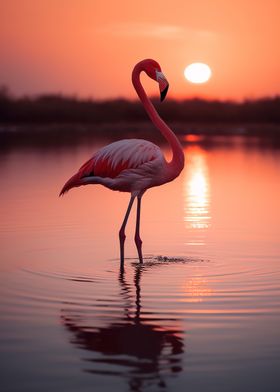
136 323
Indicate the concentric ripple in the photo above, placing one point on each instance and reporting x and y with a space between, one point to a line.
153 323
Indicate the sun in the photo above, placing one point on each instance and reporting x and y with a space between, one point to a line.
198 73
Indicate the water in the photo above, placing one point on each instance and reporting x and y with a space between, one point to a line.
201 313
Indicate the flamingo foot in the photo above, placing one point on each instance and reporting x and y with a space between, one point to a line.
122 237
138 243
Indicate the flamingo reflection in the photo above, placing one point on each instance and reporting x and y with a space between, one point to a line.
141 351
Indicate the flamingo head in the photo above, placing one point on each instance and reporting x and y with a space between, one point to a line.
153 70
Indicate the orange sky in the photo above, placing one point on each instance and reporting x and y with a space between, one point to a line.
88 47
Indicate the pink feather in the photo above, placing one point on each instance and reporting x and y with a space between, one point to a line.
114 159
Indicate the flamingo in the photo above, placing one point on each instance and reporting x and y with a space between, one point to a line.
134 165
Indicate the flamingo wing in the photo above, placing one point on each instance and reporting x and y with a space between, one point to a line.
113 159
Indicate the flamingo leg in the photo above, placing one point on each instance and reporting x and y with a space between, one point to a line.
137 238
122 235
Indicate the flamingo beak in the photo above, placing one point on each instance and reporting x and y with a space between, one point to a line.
163 93
163 84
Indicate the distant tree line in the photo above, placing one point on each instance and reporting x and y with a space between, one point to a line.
56 108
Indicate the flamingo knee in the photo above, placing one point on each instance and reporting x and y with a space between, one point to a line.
138 240
122 235
122 238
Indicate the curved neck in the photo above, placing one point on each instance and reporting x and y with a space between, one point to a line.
177 162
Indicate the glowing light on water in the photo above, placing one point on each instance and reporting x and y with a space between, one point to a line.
197 194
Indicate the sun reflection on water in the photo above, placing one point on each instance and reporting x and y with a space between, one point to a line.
197 288
197 195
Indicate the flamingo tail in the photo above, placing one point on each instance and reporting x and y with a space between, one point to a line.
77 179
73 182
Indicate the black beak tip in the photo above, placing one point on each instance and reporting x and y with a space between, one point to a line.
163 93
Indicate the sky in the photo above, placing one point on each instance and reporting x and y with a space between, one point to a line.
88 48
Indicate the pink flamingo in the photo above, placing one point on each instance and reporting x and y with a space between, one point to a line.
134 165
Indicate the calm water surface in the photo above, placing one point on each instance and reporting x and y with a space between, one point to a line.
201 314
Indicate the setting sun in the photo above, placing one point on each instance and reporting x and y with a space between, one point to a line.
198 73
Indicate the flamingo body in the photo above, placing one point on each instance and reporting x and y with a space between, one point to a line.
129 165
134 165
